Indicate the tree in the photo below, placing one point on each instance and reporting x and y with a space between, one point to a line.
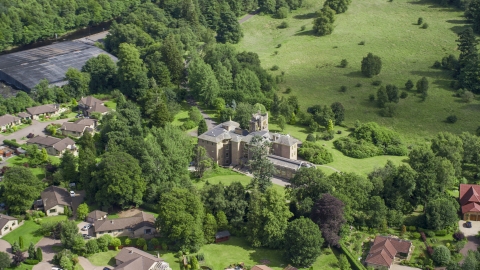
202 81
267 219
340 6
116 183
323 25
132 73
104 241
209 228
31 251
262 168
371 65
422 87
15 247
236 206
66 263
21 188
92 246
77 83
172 57
281 122
468 61
441 213
392 93
339 112
79 245
194 114
103 73
115 243
303 241
20 242
5 260
222 222
180 218
328 214
229 29
39 254
449 146
44 155
376 212
409 85
68 232
202 127
308 183
68 166
441 255
82 211
194 263
202 161
18 258
382 97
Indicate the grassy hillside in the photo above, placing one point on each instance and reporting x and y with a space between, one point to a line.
389 30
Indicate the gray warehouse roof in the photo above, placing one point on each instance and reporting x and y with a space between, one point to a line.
26 68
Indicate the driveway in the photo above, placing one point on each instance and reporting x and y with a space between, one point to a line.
36 128
80 226
402 267
5 247
46 244
470 234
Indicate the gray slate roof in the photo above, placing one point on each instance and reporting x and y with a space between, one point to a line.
97 214
48 108
286 140
89 101
98 108
58 144
135 259
86 121
23 114
134 222
287 163
73 127
53 196
4 219
8 119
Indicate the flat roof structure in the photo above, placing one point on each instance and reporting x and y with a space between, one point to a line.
25 69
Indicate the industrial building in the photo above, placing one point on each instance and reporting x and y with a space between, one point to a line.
25 69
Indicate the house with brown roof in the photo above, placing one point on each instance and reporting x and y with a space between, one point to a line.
130 258
54 146
47 111
96 215
7 224
90 104
91 123
8 121
385 249
55 199
470 201
134 226
24 115
75 130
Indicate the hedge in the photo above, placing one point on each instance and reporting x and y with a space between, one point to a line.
11 143
31 262
354 263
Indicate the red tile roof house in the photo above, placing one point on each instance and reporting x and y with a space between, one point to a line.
385 249
470 201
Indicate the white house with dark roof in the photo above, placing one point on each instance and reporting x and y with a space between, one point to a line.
75 130
91 104
96 215
8 121
130 258
47 110
134 226
53 145
7 224
55 199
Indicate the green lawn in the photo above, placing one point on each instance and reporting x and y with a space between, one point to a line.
111 104
28 231
218 256
104 258
389 31
38 172
19 127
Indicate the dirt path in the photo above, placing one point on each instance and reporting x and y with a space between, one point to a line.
248 16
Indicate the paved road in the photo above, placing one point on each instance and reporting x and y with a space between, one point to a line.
208 120
36 128
470 234
46 244
248 16
5 247
275 180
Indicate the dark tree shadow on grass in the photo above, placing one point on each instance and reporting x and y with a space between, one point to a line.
464 21
433 78
471 107
432 4
305 16
458 29
305 33
355 74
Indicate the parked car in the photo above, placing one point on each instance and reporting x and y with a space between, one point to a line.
106 268
86 236
468 224
86 227
30 135
56 268
72 193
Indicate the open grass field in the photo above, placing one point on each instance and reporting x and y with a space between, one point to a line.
218 256
389 30
28 231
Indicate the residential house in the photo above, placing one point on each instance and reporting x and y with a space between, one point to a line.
55 199
134 226
470 201
289 267
75 130
96 215
130 258
228 145
8 121
260 267
90 104
385 249
91 123
54 146
47 111
7 224
24 116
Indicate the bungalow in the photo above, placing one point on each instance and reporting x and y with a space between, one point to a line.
470 201
96 215
55 199
130 258
73 129
8 121
384 250
7 224
90 104
54 146
134 226
91 123
24 116
47 110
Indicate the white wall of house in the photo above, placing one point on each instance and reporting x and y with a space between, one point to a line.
55 211
72 133
10 226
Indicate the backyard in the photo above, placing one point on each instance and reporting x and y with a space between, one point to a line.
38 171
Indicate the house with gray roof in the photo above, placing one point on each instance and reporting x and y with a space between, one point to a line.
47 110
8 121
91 104
24 115
53 145
134 226
7 224
75 130
228 145
130 258
55 199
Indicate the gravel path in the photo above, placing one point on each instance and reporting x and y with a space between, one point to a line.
248 16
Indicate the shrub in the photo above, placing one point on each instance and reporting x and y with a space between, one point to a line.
441 233
275 67
344 63
140 242
343 89
11 143
358 85
327 135
189 124
315 153
409 85
459 236
430 234
437 64
128 241
403 95
371 65
377 83
31 262
390 110
425 26
420 21
303 28
283 25
361 43
288 90
452 119
416 235
282 13
371 97
441 255
311 138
